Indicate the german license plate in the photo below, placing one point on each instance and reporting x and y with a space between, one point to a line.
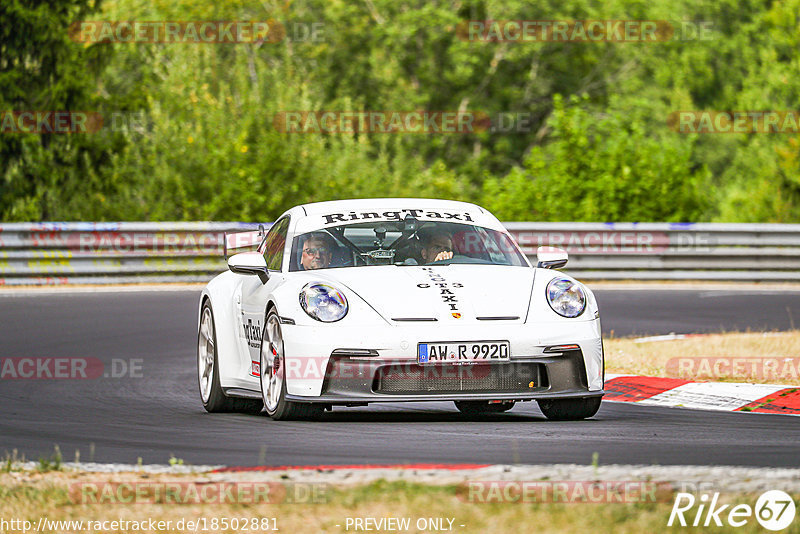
468 352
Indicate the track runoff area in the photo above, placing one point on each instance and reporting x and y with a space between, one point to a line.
749 487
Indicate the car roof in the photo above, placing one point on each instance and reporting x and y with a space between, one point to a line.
320 215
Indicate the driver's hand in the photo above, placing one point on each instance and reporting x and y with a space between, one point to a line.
444 255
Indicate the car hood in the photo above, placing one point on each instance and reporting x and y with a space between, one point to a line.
448 293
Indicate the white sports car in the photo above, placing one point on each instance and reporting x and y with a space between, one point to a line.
390 300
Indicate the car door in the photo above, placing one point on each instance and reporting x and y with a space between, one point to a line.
255 294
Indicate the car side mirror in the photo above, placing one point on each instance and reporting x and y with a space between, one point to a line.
551 257
249 263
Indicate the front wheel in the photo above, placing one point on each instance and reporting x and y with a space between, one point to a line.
273 377
569 409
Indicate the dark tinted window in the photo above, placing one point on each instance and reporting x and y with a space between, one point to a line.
394 243
275 243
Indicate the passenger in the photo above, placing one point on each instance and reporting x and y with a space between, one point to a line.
437 245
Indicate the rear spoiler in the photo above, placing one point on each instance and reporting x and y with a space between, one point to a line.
249 238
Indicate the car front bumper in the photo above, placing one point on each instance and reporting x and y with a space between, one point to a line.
324 364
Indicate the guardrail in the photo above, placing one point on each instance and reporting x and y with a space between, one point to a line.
106 253
102 253
670 251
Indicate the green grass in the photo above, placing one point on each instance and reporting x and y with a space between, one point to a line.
47 494
51 463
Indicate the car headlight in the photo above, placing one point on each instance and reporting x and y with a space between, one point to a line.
323 302
566 297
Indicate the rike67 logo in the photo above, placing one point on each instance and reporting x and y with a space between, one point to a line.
774 510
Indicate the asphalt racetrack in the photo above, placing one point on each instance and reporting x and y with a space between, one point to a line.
157 413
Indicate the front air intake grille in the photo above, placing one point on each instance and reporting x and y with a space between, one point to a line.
411 379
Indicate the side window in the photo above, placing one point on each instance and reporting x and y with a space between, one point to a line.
275 243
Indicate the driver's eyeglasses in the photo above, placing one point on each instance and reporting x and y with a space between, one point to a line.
440 248
316 250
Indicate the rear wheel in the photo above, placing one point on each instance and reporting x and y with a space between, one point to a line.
483 407
273 377
569 409
211 394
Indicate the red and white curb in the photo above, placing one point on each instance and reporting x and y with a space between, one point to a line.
676 392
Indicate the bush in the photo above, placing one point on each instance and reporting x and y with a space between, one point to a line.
602 167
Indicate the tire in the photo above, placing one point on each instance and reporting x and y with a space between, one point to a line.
569 409
273 377
482 407
211 395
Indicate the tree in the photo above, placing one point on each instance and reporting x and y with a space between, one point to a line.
42 69
601 167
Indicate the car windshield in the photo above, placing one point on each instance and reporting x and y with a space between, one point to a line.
402 243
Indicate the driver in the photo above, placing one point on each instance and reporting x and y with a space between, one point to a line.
316 251
437 245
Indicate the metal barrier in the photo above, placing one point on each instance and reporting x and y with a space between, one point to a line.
102 253
670 251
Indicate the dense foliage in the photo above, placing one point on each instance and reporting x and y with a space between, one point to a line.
189 131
